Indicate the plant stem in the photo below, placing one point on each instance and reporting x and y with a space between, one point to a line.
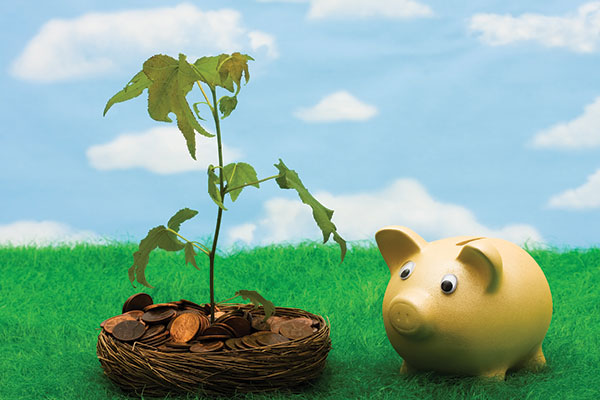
219 212
203 246
251 183
207 101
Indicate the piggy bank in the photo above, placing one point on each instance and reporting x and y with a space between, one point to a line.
463 305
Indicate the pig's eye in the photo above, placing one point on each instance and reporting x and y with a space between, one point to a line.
407 269
449 283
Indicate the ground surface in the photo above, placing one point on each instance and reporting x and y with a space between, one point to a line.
53 299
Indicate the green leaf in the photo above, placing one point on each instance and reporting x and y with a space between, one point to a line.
206 68
289 179
233 67
142 256
190 255
171 81
181 216
239 174
213 189
227 104
133 89
257 300
169 242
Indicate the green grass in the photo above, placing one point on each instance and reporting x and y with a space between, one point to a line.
53 299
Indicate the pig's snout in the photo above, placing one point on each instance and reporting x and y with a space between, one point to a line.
407 320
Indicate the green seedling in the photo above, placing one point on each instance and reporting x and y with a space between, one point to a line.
169 81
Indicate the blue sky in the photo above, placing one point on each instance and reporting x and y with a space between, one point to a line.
476 119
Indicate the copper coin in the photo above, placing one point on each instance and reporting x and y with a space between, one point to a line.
152 331
137 314
275 323
240 325
295 329
188 303
137 302
229 314
129 330
231 343
259 324
168 349
185 327
238 343
160 305
224 318
271 338
212 337
226 327
110 323
156 315
204 347
178 345
249 342
204 323
304 320
218 329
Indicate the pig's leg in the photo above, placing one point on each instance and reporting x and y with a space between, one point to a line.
534 362
498 374
406 369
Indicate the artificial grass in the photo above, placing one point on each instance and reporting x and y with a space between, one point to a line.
54 298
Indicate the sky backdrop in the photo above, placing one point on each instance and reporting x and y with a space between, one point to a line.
469 118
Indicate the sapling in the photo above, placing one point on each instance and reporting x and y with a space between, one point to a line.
169 81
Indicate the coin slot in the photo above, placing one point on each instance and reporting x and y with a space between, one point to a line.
468 241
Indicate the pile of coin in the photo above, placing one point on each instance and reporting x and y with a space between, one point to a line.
184 326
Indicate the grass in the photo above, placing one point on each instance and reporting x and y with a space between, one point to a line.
53 299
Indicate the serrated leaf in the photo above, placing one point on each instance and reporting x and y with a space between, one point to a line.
257 300
289 179
133 89
181 216
227 104
190 255
213 188
233 67
238 174
171 81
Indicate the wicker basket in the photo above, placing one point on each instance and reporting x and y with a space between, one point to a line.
146 371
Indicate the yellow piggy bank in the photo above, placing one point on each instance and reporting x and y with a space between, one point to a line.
463 305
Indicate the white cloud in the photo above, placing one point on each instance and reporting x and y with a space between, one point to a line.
338 106
353 9
260 39
586 196
244 233
44 233
162 150
579 31
359 216
581 132
98 43
394 9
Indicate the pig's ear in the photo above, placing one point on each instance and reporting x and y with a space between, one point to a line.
483 254
397 244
